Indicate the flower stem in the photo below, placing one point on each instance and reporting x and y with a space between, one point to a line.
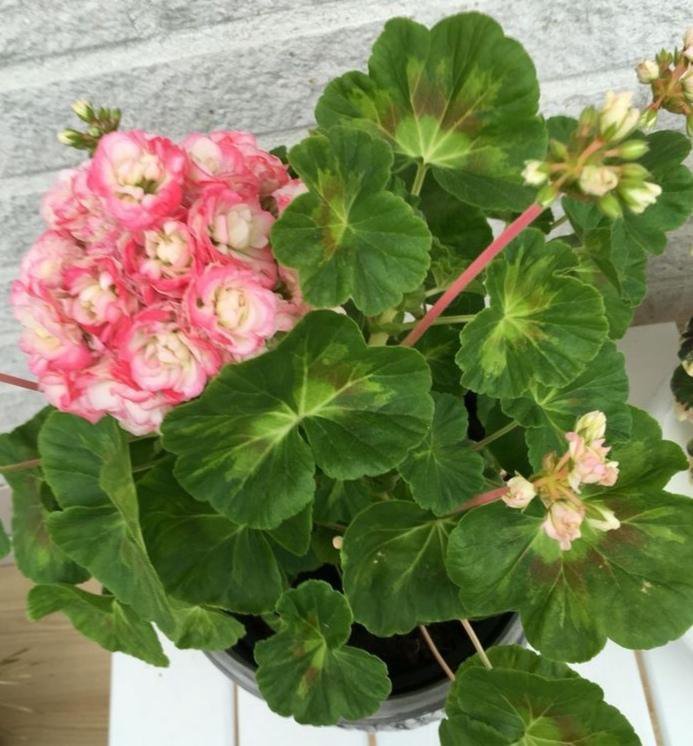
458 319
435 652
481 499
21 382
378 338
20 466
477 643
557 223
494 436
473 270
421 170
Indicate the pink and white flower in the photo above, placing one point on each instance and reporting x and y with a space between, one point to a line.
520 492
156 353
285 195
236 311
139 176
589 462
563 522
42 266
231 228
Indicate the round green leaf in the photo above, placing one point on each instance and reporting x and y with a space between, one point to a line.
307 670
338 502
542 325
443 471
394 568
103 619
250 443
461 98
631 584
349 237
550 412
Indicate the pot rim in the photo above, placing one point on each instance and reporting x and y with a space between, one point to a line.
397 712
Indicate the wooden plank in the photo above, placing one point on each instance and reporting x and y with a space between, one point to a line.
62 677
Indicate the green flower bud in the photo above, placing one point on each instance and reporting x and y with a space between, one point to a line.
610 206
558 150
634 172
617 118
83 110
648 119
547 194
689 125
70 137
631 150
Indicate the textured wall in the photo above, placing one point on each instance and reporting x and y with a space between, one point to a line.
179 65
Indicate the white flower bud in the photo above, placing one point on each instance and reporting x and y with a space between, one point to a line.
535 173
337 542
83 109
598 180
687 85
631 150
520 493
639 196
604 520
688 44
618 118
648 119
591 426
647 71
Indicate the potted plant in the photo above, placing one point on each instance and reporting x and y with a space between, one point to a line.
307 413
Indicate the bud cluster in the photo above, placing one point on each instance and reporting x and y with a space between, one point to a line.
596 162
670 77
559 484
99 122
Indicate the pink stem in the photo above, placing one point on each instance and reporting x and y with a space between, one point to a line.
475 268
21 382
483 498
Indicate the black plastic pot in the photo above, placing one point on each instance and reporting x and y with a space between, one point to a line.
418 693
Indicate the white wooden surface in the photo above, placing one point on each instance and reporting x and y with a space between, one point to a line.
192 703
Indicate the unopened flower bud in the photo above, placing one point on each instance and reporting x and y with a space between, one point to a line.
639 195
598 180
688 44
648 119
520 492
591 426
547 194
689 125
610 206
631 150
535 173
647 71
558 150
687 85
601 518
83 110
618 118
337 542
69 137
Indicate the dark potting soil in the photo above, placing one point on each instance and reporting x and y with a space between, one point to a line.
409 661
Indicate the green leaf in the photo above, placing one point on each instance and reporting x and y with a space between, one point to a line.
439 346
338 502
307 670
103 619
201 556
510 449
519 659
631 584
682 387
510 707
35 552
349 237
394 568
443 471
549 413
295 533
542 325
88 467
461 99
250 443
5 545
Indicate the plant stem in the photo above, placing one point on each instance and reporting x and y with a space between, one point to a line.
474 269
21 382
557 223
421 170
435 652
458 319
481 499
477 643
494 436
20 466
379 338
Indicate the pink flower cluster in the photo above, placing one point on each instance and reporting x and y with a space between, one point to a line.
156 270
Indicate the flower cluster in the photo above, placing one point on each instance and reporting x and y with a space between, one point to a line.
670 77
596 162
559 485
156 269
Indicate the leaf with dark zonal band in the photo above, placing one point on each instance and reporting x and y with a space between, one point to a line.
549 413
249 445
461 99
308 671
527 700
631 584
201 556
443 471
36 554
349 237
338 502
542 325
394 568
103 619
88 468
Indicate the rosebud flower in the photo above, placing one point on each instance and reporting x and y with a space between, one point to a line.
639 196
591 426
563 523
601 518
589 464
598 180
618 118
520 492
688 44
631 150
535 173
647 71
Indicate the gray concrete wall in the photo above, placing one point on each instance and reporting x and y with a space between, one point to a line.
180 65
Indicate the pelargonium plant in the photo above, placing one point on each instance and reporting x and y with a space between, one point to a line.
267 370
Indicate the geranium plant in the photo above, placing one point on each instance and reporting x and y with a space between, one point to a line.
260 365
